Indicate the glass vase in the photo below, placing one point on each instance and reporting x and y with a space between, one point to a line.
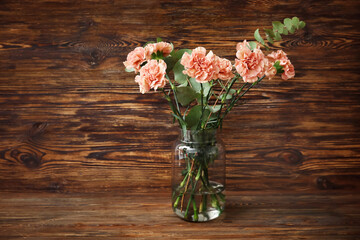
198 176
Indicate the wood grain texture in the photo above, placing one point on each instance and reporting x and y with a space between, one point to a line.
149 216
73 123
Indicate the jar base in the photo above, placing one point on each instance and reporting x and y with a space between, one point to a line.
210 214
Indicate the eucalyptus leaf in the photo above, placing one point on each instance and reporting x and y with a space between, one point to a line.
277 36
214 109
185 95
269 35
288 23
258 37
232 91
129 70
278 26
252 45
285 31
158 39
302 24
292 29
270 32
295 22
229 95
269 39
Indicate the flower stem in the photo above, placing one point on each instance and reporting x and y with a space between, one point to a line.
176 113
191 198
217 99
202 106
237 99
196 217
187 185
175 96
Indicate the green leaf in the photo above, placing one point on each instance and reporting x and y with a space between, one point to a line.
159 55
258 37
179 76
185 95
288 23
295 22
205 115
252 45
285 31
232 91
229 95
270 32
278 26
277 36
178 54
206 90
269 35
269 39
279 68
158 39
302 24
184 84
206 87
195 85
193 117
214 109
292 29
169 60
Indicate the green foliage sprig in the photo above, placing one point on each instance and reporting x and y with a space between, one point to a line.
289 26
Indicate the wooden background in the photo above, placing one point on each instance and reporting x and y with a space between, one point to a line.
84 155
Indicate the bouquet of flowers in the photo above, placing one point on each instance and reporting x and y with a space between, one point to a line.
202 88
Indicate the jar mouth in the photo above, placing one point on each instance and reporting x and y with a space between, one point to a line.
199 136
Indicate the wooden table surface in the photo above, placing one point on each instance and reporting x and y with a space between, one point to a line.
83 155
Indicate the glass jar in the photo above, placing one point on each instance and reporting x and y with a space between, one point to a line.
198 176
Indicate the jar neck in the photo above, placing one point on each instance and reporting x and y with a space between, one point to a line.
199 136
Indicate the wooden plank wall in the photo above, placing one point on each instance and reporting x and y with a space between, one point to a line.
71 119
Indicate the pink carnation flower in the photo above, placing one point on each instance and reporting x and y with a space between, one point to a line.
270 70
200 66
143 84
135 59
250 64
243 45
280 55
289 71
225 69
164 47
152 76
